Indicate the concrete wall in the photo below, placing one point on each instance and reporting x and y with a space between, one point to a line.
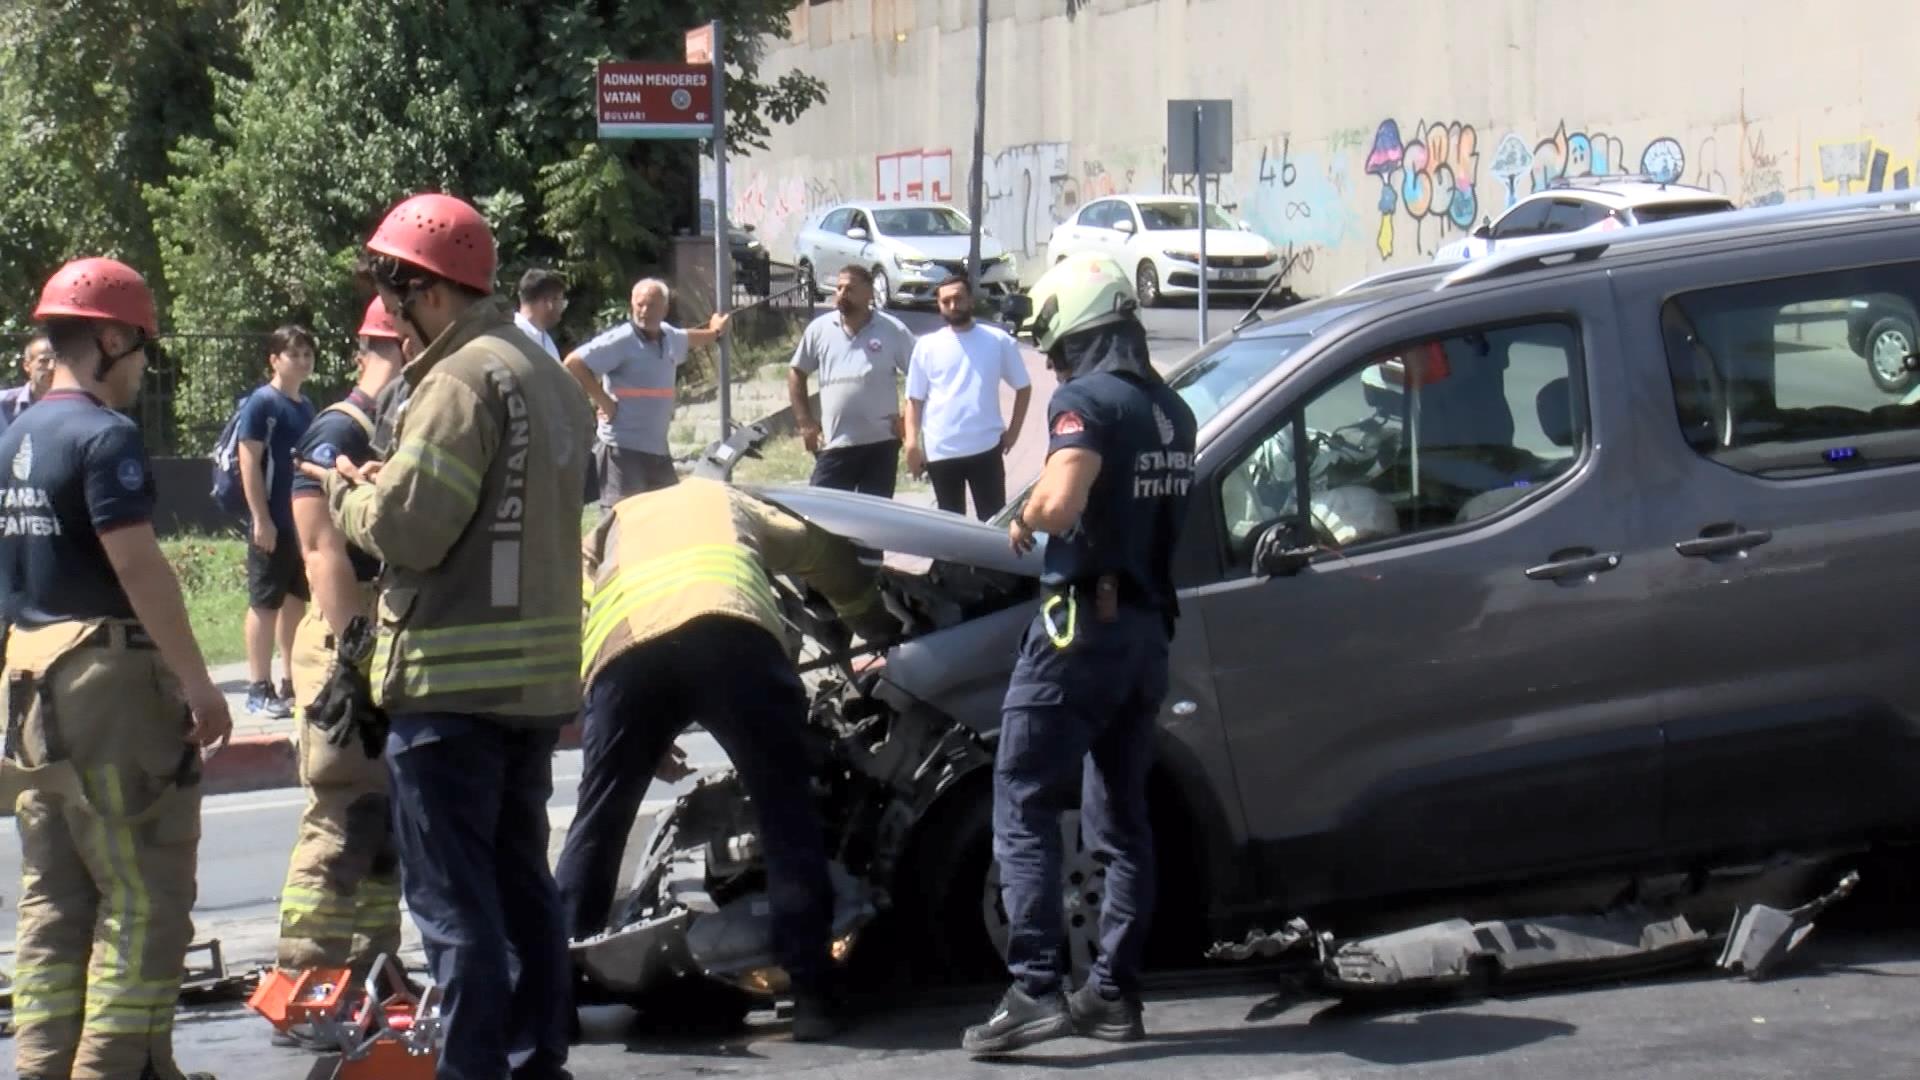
1367 132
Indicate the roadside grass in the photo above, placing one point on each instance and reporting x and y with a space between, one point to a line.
785 461
213 576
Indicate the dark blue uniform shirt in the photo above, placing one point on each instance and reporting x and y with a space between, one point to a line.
278 421
70 469
332 434
1144 435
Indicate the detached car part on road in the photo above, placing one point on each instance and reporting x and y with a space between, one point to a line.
1503 588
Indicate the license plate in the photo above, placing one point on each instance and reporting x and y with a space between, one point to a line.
1238 275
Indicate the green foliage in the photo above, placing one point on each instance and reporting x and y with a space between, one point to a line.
213 578
239 151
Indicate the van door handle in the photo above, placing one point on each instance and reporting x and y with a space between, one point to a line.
1722 540
1574 563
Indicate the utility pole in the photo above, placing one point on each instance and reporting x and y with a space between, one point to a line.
722 235
977 181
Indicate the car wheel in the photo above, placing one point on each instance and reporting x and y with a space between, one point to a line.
882 289
1146 282
1889 343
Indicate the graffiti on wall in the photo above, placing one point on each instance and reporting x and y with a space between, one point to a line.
1431 175
1298 198
1025 191
1856 166
776 206
1577 155
913 176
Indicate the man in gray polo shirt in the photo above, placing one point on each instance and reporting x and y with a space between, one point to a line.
629 373
857 352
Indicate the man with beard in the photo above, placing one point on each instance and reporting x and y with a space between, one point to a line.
857 352
954 431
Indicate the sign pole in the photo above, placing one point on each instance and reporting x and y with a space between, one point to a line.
979 149
1199 168
722 238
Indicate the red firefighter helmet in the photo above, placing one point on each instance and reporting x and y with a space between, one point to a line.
99 289
441 234
377 323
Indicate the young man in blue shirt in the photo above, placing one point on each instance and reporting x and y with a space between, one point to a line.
272 421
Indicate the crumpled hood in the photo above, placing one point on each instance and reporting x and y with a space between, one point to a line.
1120 348
901 528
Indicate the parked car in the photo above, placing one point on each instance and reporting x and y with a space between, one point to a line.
1587 570
1880 328
1157 239
909 247
1570 206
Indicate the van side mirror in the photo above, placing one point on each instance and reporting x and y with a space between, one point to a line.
1279 552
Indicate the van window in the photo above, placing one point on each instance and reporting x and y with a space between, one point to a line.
1435 434
1799 377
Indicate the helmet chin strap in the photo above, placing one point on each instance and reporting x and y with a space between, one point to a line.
109 358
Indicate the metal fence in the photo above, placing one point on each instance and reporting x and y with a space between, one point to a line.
195 380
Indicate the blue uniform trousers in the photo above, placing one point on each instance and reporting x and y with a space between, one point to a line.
1080 712
470 818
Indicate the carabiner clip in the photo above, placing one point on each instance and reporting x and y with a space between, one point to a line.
1061 639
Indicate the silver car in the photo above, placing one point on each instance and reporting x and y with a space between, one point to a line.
908 247
1583 564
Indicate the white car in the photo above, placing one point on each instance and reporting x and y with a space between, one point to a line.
910 248
1570 206
1157 239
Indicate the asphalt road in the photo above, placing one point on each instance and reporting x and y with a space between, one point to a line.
1846 1011
245 840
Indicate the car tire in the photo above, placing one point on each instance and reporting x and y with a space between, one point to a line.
1888 343
935 925
882 286
1146 282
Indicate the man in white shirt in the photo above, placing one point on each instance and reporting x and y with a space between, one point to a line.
543 299
954 432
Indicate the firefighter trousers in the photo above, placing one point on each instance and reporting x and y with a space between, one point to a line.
107 803
341 903
1079 712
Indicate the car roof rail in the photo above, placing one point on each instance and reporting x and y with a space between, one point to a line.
1586 246
1399 274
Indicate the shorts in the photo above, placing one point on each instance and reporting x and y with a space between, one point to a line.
273 578
624 472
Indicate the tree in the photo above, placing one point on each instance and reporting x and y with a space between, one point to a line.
349 105
92 95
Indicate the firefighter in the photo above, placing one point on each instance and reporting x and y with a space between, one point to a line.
108 703
341 904
683 627
474 515
1092 668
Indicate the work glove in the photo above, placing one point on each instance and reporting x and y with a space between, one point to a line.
344 708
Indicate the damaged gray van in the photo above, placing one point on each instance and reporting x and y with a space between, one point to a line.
1585 563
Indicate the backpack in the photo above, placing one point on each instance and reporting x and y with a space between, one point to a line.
228 493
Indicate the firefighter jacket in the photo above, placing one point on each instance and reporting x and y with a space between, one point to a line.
664 558
476 515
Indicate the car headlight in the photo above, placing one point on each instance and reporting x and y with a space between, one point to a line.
1184 256
916 265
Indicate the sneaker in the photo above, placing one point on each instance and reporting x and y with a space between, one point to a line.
1100 1017
817 1017
286 693
261 701
1019 1022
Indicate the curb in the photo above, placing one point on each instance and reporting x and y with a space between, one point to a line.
265 762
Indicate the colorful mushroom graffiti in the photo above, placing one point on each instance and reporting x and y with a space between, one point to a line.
1431 175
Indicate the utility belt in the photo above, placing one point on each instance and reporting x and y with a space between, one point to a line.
1102 596
33 656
